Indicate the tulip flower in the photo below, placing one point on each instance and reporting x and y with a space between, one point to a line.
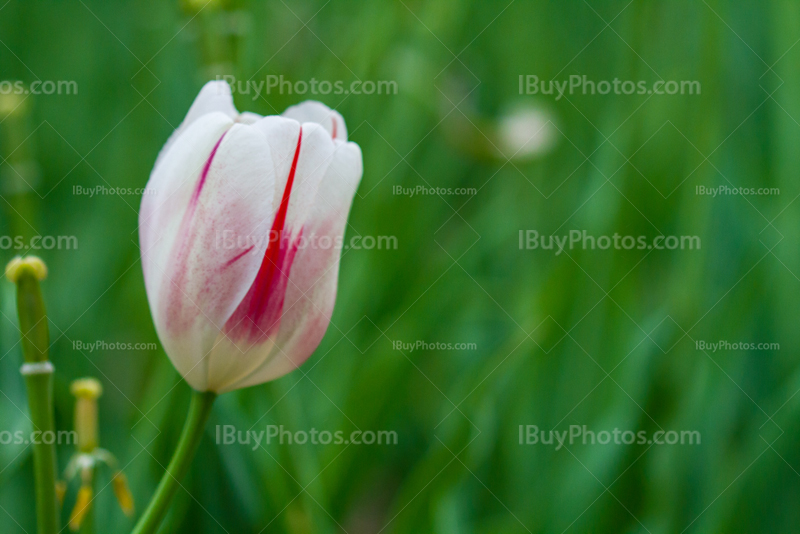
240 229
231 230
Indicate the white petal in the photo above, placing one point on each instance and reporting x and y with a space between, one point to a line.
201 268
313 111
214 97
247 117
168 193
302 158
311 291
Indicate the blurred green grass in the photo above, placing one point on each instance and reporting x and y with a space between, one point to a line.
603 339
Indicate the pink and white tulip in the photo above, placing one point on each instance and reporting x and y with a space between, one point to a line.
239 293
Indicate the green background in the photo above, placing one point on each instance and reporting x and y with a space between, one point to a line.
605 339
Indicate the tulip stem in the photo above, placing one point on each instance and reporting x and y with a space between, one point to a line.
38 373
193 429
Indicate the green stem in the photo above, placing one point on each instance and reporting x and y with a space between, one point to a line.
38 373
199 411
40 403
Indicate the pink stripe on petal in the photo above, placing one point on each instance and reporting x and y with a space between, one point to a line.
186 237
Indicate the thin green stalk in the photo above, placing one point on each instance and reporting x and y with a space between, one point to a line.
38 373
199 411
40 403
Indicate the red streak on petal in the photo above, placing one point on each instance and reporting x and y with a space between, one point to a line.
204 174
335 124
259 312
270 263
238 256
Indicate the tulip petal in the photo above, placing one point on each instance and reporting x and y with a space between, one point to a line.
214 97
195 278
168 192
311 291
302 156
247 117
313 111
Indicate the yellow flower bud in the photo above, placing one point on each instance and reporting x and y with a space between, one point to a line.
87 391
82 506
12 103
61 490
86 388
123 493
15 267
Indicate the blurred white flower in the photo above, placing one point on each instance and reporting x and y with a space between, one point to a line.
526 132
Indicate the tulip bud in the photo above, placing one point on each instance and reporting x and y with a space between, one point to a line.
239 238
87 391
